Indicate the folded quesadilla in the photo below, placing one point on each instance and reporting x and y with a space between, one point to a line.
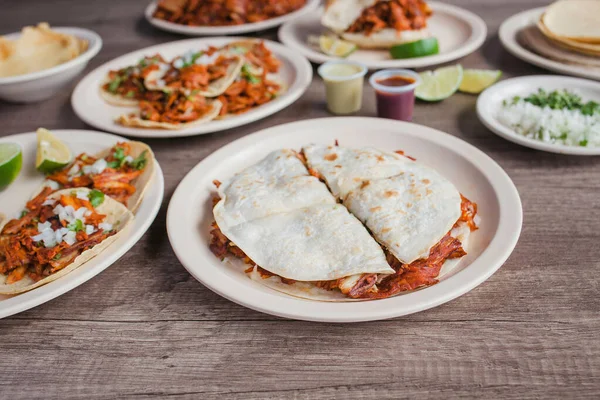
417 215
285 224
56 234
377 23
122 172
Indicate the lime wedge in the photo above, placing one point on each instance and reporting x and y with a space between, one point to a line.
332 46
420 48
439 84
476 80
11 160
52 154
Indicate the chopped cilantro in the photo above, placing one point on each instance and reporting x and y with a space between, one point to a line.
560 100
114 84
96 197
247 74
75 226
23 213
119 156
57 257
130 94
140 161
583 143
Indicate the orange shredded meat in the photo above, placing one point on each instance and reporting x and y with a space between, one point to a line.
400 15
116 180
223 12
21 256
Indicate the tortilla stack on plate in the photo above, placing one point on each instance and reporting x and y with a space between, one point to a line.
532 38
574 20
377 24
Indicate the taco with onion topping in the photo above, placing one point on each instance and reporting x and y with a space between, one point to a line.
57 233
122 172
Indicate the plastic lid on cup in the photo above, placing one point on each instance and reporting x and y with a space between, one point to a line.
388 73
325 70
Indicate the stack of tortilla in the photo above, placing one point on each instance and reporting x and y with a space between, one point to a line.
569 32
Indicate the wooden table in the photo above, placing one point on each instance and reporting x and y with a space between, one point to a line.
145 328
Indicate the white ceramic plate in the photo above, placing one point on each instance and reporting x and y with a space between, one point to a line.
475 174
490 102
508 34
295 73
226 30
459 33
16 195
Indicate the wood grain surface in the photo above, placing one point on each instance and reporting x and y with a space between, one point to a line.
145 328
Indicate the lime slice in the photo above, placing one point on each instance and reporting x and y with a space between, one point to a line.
439 84
332 46
476 80
52 154
420 48
11 160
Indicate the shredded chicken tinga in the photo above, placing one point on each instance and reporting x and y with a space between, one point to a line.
50 235
129 82
223 12
112 175
400 15
195 87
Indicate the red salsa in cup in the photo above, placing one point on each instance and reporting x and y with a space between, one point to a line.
395 91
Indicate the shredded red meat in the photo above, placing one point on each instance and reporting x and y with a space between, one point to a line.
400 15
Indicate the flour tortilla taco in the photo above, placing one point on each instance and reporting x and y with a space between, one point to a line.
123 172
206 72
173 111
56 234
377 24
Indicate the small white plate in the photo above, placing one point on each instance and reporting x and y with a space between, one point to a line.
475 174
459 32
226 30
509 31
490 101
295 73
16 195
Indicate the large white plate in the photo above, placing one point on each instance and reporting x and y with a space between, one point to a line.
13 198
226 30
475 174
508 34
295 73
458 31
490 102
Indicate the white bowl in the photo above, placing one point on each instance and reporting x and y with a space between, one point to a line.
44 84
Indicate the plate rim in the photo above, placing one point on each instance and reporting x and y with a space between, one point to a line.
507 34
475 41
302 67
225 30
28 300
490 121
433 296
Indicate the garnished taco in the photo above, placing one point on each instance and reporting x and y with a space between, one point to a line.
377 23
125 87
57 233
173 110
122 172
206 72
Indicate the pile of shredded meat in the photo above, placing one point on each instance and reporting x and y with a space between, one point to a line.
223 12
20 255
400 15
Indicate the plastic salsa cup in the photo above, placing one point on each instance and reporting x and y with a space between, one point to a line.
395 92
343 85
